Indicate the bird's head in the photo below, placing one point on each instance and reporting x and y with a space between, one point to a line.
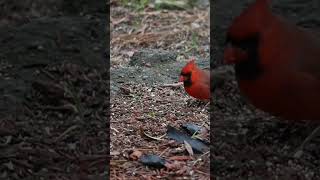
186 72
243 34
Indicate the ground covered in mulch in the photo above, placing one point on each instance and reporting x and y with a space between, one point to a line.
148 49
59 130
149 110
54 90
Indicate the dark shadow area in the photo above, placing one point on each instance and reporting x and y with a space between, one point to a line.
54 82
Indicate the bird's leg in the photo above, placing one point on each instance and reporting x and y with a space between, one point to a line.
313 134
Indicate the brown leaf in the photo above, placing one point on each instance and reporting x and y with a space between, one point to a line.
135 155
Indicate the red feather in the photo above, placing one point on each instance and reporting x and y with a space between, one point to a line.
277 63
196 81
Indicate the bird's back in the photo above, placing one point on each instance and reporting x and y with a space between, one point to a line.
281 74
289 85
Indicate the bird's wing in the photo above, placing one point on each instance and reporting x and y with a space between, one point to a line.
309 60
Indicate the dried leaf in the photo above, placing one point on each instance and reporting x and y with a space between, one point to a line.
135 155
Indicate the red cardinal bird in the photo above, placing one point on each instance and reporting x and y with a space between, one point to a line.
277 64
196 81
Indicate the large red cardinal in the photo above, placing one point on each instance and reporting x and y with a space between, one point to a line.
277 64
196 81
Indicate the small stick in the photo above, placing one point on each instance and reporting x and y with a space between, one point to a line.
164 151
173 85
66 132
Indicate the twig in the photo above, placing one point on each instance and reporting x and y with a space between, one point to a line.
114 129
48 74
66 132
118 21
198 159
173 85
299 150
204 108
151 137
164 151
198 130
200 172
155 138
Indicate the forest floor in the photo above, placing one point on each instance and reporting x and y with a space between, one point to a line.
148 50
53 84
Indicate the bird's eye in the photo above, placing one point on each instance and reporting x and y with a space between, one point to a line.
186 75
246 44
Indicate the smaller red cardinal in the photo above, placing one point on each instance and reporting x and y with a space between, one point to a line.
196 81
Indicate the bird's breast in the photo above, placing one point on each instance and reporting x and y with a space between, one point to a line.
199 91
284 96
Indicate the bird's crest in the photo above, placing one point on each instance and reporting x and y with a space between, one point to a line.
189 66
251 21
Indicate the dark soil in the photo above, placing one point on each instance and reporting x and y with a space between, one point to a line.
54 84
250 144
